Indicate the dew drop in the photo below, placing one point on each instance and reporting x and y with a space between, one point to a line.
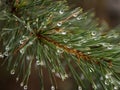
28 18
44 26
82 77
69 45
66 75
78 18
109 47
101 78
63 77
57 75
61 11
25 87
28 57
12 72
59 50
53 70
63 33
17 78
59 24
93 33
88 53
98 85
79 88
1 55
52 87
22 51
24 37
37 19
65 40
30 43
107 76
7 48
6 53
106 82
34 23
21 41
38 62
21 84
115 87
37 57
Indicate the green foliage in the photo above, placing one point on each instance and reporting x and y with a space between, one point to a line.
66 42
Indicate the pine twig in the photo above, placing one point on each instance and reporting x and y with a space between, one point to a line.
77 53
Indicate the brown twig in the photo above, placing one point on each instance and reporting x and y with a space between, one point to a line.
72 51
77 53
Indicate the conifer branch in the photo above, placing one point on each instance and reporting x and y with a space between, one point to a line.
77 53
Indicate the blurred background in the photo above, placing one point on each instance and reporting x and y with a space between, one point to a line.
107 11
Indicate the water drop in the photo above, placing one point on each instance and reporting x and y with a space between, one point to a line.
65 40
61 11
59 24
88 52
21 84
98 85
109 47
69 45
115 87
107 82
24 37
79 88
93 33
22 51
12 72
37 57
107 76
34 23
17 78
44 26
28 57
63 77
37 19
25 87
59 50
28 18
101 78
78 18
53 70
6 53
37 62
82 77
52 87
7 48
1 55
30 43
21 41
66 75
57 75
63 33
40 63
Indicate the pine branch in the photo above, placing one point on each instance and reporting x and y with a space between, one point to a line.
48 34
